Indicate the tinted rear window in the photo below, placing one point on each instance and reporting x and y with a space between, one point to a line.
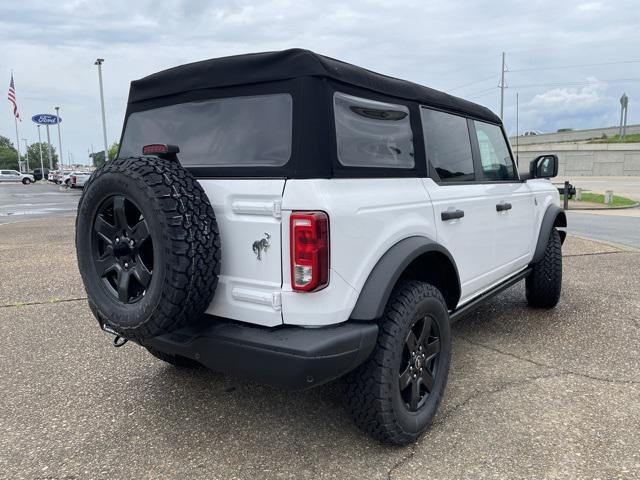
225 132
372 134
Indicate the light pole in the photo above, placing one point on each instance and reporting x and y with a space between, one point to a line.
99 62
40 148
59 137
26 152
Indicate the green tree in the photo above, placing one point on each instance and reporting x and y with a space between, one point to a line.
8 154
97 158
113 150
34 156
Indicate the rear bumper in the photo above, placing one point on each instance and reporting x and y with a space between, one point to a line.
288 357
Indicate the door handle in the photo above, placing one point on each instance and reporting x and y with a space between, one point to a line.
502 206
451 214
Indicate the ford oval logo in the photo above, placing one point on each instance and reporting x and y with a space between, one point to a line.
46 119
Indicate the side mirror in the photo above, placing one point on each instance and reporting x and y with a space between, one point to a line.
544 166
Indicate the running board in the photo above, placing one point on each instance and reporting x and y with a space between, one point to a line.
476 302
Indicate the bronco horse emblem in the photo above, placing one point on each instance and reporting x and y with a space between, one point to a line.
261 246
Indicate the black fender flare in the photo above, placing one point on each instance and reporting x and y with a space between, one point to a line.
554 216
383 277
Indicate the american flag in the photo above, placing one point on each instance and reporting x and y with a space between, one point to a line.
12 98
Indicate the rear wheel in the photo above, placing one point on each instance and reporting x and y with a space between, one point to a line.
544 284
396 392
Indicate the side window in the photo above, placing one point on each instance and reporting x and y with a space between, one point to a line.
495 157
372 134
448 145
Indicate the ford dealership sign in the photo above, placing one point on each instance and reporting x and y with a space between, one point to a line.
46 119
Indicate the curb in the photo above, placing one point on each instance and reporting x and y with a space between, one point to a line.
623 207
620 246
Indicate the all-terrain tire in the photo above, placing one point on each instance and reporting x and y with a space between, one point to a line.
185 245
175 360
372 391
543 285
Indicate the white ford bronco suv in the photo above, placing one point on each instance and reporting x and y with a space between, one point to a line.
297 219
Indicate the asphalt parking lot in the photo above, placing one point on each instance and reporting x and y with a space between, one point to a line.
532 394
20 202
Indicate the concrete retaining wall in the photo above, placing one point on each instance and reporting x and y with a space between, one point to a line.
586 159
575 136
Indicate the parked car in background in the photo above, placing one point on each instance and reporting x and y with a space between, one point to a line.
529 133
51 176
16 176
78 179
38 174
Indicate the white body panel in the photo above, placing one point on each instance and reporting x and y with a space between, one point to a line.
366 218
248 211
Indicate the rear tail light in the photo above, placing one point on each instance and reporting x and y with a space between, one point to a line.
309 251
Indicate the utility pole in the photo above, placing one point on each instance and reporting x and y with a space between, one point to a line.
26 152
59 138
502 87
517 130
40 148
99 62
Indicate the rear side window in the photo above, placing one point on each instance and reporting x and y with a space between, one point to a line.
448 145
497 164
372 134
225 132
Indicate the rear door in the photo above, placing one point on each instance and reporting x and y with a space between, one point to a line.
462 207
248 213
234 146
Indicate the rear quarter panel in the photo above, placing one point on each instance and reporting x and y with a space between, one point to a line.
366 218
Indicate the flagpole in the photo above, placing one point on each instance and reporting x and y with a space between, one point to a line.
15 118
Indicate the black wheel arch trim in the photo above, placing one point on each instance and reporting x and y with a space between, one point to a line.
383 277
554 216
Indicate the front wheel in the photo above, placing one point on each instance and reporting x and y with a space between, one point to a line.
395 394
26 181
543 285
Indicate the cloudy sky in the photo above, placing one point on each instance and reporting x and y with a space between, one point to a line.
569 60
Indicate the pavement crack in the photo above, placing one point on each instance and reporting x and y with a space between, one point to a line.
544 365
413 449
594 253
47 302
440 420
500 388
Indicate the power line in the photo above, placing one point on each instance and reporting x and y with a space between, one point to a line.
480 93
573 66
473 83
577 83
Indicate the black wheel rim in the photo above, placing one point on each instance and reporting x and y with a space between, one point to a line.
123 249
419 364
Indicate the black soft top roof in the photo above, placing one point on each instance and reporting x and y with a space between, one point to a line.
289 64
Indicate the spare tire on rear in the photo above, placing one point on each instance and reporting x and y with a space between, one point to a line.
148 246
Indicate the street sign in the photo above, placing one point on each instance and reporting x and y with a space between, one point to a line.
46 119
